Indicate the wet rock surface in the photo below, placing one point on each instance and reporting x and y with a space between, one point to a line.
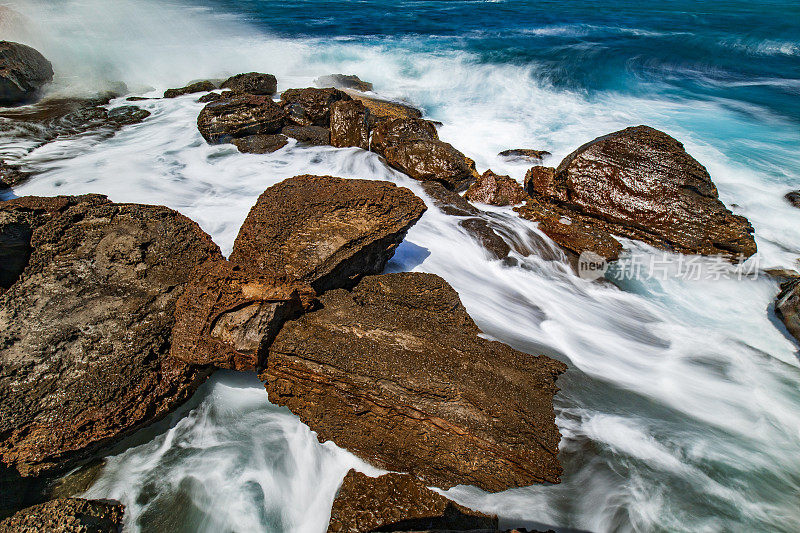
482 231
311 107
311 135
344 81
496 190
325 231
431 160
196 87
526 154
391 132
85 328
399 502
395 372
260 144
11 175
350 125
23 72
67 515
252 83
240 116
386 108
793 198
787 306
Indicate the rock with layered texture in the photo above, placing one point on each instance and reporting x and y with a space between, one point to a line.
325 231
395 131
252 83
311 135
350 125
196 87
344 81
432 160
311 107
385 108
23 72
85 328
399 502
260 144
640 183
67 515
787 306
496 190
395 372
240 116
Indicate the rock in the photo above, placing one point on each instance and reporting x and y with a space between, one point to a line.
539 182
213 97
793 198
67 515
399 502
640 183
252 83
391 132
350 125
450 202
313 135
496 190
385 108
227 317
260 144
240 116
344 81
23 71
85 329
431 160
128 114
533 156
11 175
396 373
311 107
787 306
482 232
325 231
196 87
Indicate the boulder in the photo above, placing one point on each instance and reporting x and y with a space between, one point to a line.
399 502
227 317
260 144
431 160
533 156
640 183
67 515
482 231
23 71
793 198
252 83
240 116
311 107
196 87
394 131
385 108
85 327
325 231
344 81
213 97
787 306
350 124
496 190
395 372
127 114
313 135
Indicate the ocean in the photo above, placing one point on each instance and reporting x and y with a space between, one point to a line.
680 410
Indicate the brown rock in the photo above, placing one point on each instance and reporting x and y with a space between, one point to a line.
482 231
450 202
313 135
252 83
67 515
260 144
325 231
311 107
196 87
385 108
85 330
793 198
213 97
496 190
431 160
344 81
399 502
534 156
350 124
127 114
395 131
540 182
787 306
227 317
240 116
23 71
11 175
396 373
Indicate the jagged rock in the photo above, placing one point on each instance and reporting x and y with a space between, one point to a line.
399 502
534 156
385 108
395 372
127 114
350 125
240 116
213 97
787 306
23 71
431 160
344 81
311 107
640 183
482 231
398 130
11 175
313 135
260 144
85 328
325 231
496 190
252 83
227 317
793 198
67 515
196 87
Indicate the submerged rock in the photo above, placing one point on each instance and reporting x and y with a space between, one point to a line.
240 116
787 306
311 107
449 201
350 125
534 156
23 71
127 115
483 232
85 326
196 87
67 515
260 144
325 231
252 83
399 502
344 81
313 135
431 160
496 190
395 372
793 198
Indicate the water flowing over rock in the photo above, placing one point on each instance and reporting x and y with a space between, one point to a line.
23 71
432 160
311 107
496 190
399 502
196 87
260 144
325 231
67 515
350 125
787 306
396 373
312 135
344 81
526 154
85 327
240 116
252 83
